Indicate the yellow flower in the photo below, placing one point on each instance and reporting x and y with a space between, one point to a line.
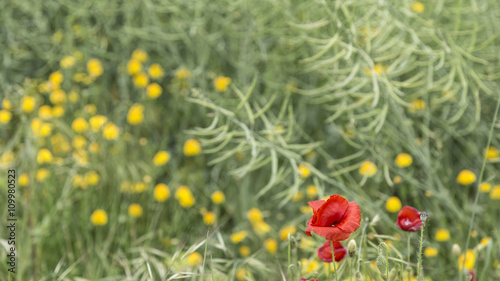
80 125
218 197
237 237
244 251
44 156
297 196
221 83
56 78
403 160
306 209
79 142
417 105
304 171
91 178
42 175
135 210
184 196
367 169
5 116
397 180
96 122
57 111
254 215
161 192
140 55
491 152
377 68
182 73
485 187
94 68
135 114
470 260
24 180
312 191
485 241
45 129
94 147
242 274
418 7
309 266
7 157
28 104
261 228
473 233
466 177
195 258
140 187
271 245
6 104
67 62
143 141
99 217
442 235
134 66
430 252
307 244
155 71
209 218
111 131
495 193
73 97
141 80
192 147
393 204
153 91
287 230
161 158
90 108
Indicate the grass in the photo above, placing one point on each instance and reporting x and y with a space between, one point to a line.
321 86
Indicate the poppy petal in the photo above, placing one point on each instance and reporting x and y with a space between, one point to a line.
330 233
352 218
331 211
309 226
316 204
409 219
325 251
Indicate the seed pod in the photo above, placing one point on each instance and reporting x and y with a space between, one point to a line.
423 216
382 266
358 276
455 249
351 248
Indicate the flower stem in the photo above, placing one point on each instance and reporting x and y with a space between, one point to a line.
409 251
419 268
333 261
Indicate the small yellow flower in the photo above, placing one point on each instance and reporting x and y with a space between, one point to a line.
309 266
73 97
485 187
244 251
94 68
141 80
403 160
6 104
184 196
111 131
56 78
430 252
491 153
242 274
143 141
97 121
306 209
182 73
221 83
45 129
57 111
99 217
218 197
466 177
304 171
140 55
79 182
367 169
161 158
90 109
495 193
192 147
287 230
470 260
24 180
153 91
94 147
485 241
80 125
195 259
155 71
393 204
135 114
261 228
44 156
135 210
209 218
5 116
67 62
397 180
91 178
161 192
140 187
237 237
79 142
271 245
442 235
312 191
297 196
473 234
417 105
28 104
254 215
134 66
417 7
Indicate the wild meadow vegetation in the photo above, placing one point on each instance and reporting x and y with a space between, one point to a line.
204 140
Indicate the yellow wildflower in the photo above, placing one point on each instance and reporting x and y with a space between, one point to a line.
140 55
153 91
430 252
304 171
141 80
309 266
134 66
94 68
242 274
94 147
99 217
155 71
287 230
182 73
417 105
28 104
161 192
5 116
244 251
221 83
297 196
67 62
466 177
470 260
495 193
209 218
90 108
393 204
184 196
218 197
135 210
24 180
397 180
367 169
195 259
237 237
192 147
403 160
44 156
312 191
42 175
92 178
97 121
161 158
111 131
254 215
418 7
261 228
80 125
442 235
79 142
56 78
485 187
57 111
6 104
73 97
271 245
491 153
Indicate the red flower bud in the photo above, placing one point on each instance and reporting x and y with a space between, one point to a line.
325 251
409 219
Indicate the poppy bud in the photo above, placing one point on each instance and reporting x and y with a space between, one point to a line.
382 266
455 249
393 274
382 249
351 248
423 216
358 276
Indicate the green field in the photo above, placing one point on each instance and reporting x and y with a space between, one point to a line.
183 140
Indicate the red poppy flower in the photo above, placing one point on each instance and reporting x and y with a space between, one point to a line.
325 251
472 275
335 219
409 219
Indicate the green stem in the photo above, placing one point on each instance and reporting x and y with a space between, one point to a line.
419 268
409 251
333 261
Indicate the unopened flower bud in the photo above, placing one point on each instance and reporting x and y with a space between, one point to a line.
423 216
358 276
351 248
455 249
393 274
